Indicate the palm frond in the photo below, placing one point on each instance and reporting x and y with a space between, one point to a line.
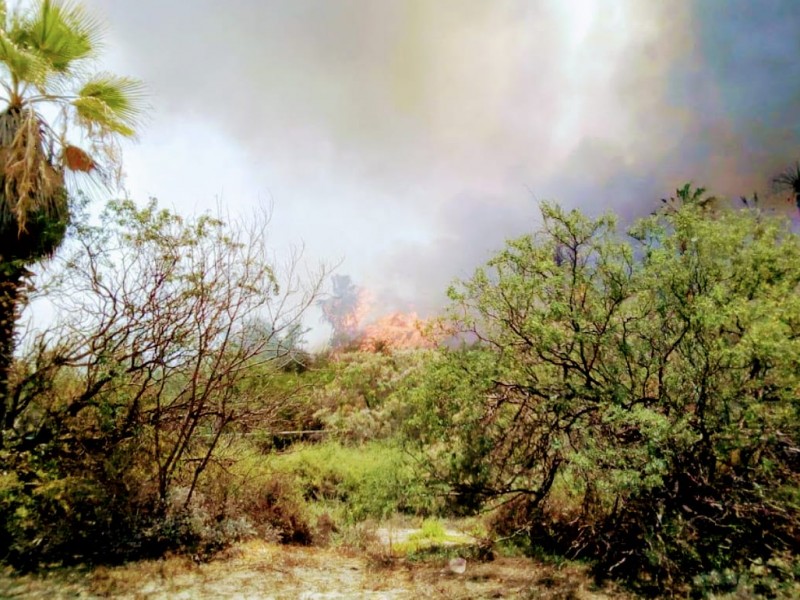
110 103
45 48
788 181
77 159
689 194
22 64
62 33
31 182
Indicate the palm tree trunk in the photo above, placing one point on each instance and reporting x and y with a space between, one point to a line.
10 296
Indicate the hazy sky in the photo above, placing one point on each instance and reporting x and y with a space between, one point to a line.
411 137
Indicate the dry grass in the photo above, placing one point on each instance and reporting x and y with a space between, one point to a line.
260 570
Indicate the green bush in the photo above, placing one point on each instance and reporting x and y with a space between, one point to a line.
361 396
637 394
373 480
116 414
72 519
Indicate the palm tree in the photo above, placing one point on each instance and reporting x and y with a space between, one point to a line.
688 195
789 181
58 119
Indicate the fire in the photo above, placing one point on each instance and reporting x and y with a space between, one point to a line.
347 310
347 321
395 331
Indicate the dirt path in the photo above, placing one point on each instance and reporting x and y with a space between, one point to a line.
261 571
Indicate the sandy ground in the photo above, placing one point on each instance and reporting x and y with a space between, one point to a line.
264 571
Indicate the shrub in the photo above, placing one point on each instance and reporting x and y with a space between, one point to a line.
361 396
656 373
279 505
171 339
369 481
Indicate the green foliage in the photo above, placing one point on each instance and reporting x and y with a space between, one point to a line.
434 540
362 395
48 105
311 491
374 480
432 529
657 373
116 412
46 50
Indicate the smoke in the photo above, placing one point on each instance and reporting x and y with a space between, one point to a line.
414 137
349 312
345 310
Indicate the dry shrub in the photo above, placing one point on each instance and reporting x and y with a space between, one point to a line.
511 519
278 505
325 528
362 537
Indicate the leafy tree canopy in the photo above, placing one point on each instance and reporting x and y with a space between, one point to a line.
636 395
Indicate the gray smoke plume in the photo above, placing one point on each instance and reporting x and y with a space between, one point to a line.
415 136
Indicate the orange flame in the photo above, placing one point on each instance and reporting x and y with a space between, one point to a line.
346 317
347 309
395 331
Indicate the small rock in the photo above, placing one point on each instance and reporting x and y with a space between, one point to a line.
457 565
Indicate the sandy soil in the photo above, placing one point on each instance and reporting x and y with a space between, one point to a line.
263 571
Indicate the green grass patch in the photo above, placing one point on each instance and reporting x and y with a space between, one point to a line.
432 538
372 480
432 530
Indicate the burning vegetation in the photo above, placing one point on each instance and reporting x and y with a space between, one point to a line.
348 311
